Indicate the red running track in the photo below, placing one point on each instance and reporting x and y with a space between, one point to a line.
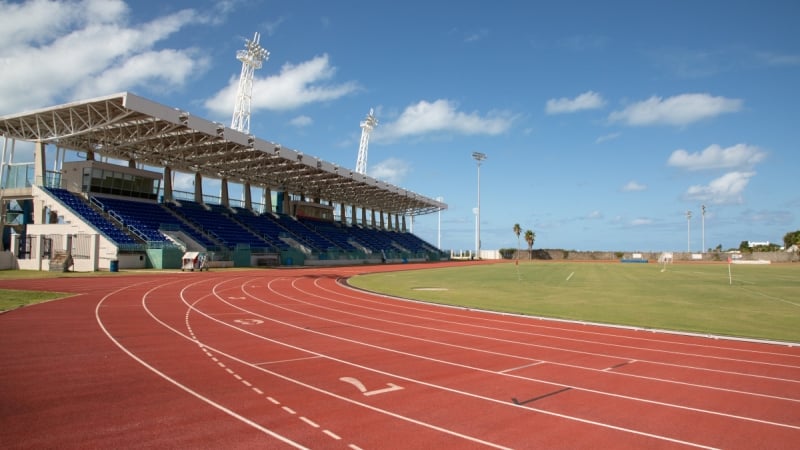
296 359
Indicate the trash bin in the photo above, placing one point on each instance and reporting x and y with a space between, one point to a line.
113 266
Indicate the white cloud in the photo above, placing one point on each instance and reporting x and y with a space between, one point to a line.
301 121
595 215
76 49
723 190
392 170
272 27
477 36
442 116
293 87
641 222
678 110
634 186
587 100
779 59
716 157
607 137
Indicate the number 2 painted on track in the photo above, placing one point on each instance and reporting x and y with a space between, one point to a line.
360 386
249 321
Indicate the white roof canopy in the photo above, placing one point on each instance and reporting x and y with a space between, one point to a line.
125 126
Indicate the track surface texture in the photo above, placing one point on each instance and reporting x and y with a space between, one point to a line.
296 359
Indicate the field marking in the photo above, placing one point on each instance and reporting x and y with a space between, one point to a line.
529 322
272 373
514 369
755 394
372 369
479 369
266 363
526 333
420 382
179 385
570 275
773 298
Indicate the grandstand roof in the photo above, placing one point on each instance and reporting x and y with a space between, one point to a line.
125 126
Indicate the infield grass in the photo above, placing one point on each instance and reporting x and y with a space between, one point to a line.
762 302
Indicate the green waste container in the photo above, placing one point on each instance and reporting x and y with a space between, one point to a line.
113 266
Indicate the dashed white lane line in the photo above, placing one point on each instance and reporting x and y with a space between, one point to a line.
258 391
309 421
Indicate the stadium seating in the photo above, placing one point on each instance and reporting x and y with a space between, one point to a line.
147 219
101 223
216 222
215 226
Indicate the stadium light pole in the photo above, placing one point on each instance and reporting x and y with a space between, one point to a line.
688 231
439 229
479 157
477 238
703 226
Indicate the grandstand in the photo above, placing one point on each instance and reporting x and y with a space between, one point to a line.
98 214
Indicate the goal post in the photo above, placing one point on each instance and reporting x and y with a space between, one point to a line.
665 258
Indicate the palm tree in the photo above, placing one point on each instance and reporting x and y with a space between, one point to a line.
530 236
517 231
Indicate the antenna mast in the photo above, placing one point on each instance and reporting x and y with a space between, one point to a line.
366 127
252 58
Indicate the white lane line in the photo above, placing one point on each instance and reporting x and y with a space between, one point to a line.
286 360
420 382
610 394
309 421
570 275
445 310
184 388
549 347
514 369
332 434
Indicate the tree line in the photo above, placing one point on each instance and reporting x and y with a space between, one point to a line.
530 237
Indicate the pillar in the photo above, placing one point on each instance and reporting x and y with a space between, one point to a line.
224 198
267 199
167 184
248 199
198 188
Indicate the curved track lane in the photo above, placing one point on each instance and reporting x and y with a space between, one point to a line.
296 359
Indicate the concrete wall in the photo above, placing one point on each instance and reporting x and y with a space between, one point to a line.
566 255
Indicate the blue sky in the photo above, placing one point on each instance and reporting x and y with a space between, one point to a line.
603 122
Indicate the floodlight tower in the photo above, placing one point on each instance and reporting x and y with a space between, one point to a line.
252 58
366 128
439 229
689 231
703 225
479 157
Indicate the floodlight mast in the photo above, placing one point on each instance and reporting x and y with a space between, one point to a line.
439 229
366 128
252 58
689 231
703 226
479 157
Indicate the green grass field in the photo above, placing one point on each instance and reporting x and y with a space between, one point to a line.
762 302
